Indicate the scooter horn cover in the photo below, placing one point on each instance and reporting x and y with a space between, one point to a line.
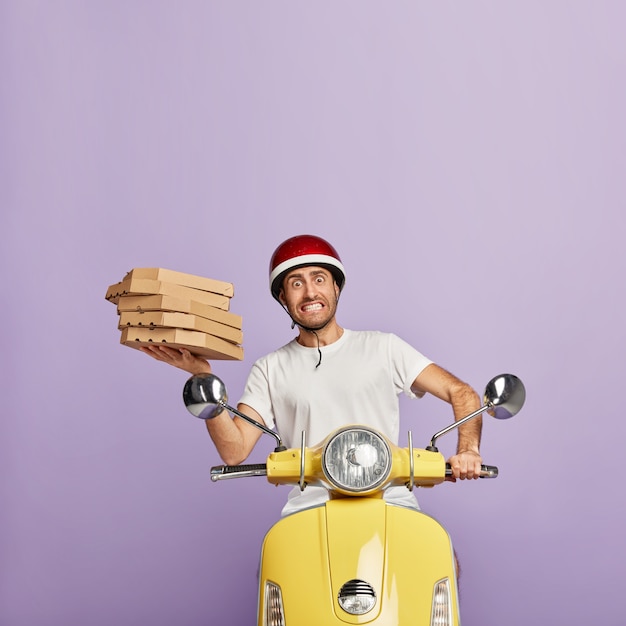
301 251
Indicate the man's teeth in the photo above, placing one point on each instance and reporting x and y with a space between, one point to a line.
312 307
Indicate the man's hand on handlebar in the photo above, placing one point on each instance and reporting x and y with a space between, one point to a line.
180 358
465 464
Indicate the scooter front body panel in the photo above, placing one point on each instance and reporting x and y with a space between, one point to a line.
400 553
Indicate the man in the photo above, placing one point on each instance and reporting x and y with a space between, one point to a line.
329 376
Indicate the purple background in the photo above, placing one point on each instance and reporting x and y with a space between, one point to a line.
466 159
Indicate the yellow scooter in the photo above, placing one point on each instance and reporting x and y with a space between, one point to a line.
355 559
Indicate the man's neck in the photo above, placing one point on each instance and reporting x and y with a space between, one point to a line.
325 336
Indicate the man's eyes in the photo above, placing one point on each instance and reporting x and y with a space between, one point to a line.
298 283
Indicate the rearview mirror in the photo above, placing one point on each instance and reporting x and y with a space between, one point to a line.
504 395
205 396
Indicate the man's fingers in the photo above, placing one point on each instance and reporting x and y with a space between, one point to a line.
466 466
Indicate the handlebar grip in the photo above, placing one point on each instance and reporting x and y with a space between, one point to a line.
222 472
486 471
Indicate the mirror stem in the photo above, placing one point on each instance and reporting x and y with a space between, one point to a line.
265 429
433 448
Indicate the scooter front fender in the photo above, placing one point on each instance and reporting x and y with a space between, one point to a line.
401 553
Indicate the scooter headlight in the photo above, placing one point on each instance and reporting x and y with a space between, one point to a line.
356 459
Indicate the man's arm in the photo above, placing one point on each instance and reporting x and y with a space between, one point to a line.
233 438
464 400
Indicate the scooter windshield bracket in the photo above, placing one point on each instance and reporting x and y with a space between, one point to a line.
301 482
411 482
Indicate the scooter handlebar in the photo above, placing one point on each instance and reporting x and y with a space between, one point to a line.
486 471
223 472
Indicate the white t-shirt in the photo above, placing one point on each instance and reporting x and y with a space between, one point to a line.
358 381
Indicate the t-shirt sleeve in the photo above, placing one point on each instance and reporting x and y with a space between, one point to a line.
256 393
408 363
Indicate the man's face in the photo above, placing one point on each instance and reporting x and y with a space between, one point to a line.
310 295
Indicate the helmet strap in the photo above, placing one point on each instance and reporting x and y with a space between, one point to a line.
308 330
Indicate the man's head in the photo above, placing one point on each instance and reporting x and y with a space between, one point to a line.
306 277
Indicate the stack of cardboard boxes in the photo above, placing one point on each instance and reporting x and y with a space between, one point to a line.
157 305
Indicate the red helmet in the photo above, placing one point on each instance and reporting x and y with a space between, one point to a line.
300 251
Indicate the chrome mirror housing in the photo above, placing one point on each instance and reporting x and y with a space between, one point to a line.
205 396
504 396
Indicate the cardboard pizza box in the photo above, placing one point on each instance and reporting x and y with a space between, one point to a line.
169 319
198 343
147 286
180 278
178 305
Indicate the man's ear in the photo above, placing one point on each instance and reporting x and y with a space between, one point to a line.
281 297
